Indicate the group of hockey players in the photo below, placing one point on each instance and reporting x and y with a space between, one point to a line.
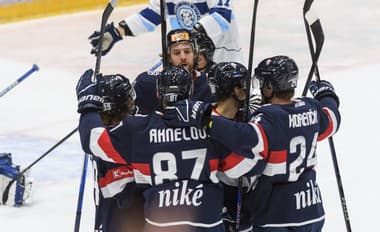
168 149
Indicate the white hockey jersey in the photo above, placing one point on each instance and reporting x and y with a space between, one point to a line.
216 16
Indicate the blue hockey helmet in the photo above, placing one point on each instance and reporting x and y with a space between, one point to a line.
205 45
226 76
173 84
117 92
278 72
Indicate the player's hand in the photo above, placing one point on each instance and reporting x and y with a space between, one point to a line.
89 94
187 113
111 36
321 89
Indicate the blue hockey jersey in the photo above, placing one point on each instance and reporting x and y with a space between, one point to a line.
285 136
216 16
146 92
177 167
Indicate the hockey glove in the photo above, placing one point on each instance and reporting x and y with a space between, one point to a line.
254 102
188 113
321 89
89 94
111 36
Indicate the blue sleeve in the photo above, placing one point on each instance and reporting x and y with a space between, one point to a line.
146 94
246 141
329 120
87 122
108 145
202 91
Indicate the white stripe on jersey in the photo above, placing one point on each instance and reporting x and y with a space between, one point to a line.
94 145
140 178
295 224
178 223
115 187
260 143
272 169
243 167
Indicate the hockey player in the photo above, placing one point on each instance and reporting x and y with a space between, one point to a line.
214 18
283 133
175 166
206 50
20 191
230 83
119 204
183 51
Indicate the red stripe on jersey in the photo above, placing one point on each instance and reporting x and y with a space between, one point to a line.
276 157
264 153
115 174
214 164
143 168
230 161
329 129
105 144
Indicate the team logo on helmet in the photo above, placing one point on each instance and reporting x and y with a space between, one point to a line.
187 14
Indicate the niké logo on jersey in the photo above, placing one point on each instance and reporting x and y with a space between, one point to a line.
181 195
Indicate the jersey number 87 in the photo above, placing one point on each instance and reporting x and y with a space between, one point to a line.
170 172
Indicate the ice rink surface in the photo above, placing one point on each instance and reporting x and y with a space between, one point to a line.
42 109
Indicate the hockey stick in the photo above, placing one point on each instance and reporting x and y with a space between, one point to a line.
105 16
249 80
6 190
155 66
317 31
163 32
19 80
81 194
319 38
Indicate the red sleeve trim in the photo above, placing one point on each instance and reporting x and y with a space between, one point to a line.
105 144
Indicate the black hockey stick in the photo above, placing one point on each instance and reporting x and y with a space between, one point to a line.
163 33
249 80
317 31
6 190
105 16
314 27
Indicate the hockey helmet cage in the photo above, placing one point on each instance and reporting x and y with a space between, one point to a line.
280 72
228 75
173 84
117 91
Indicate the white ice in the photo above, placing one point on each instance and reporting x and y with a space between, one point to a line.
42 109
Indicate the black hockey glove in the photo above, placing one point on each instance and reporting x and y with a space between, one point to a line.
321 89
188 113
111 36
89 94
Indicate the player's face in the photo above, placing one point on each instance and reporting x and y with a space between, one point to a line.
202 63
240 93
182 54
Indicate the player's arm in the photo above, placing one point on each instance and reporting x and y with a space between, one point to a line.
144 21
218 20
324 93
95 138
134 25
